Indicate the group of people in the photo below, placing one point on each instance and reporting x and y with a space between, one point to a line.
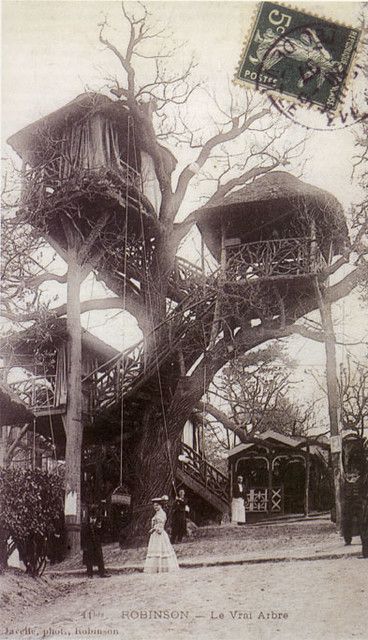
161 556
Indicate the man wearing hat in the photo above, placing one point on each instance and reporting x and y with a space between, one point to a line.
91 544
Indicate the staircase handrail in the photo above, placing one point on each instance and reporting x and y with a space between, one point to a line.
205 473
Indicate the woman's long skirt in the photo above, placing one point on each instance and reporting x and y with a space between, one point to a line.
161 557
237 510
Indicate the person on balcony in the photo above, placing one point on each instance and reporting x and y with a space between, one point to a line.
179 518
161 557
238 502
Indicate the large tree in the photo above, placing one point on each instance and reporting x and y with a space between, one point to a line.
241 140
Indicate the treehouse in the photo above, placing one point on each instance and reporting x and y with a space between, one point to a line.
84 170
283 474
272 236
35 364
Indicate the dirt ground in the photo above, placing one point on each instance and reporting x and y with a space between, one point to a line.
228 540
299 600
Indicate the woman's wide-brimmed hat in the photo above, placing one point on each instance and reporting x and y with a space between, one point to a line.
162 499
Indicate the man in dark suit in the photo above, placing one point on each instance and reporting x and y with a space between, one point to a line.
179 518
91 544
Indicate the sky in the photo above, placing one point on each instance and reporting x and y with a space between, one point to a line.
51 53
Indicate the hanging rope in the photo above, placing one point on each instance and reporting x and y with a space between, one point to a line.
34 445
124 299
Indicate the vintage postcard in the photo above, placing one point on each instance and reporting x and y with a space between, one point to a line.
183 335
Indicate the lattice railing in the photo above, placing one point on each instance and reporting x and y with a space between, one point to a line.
47 178
61 168
185 270
264 500
104 386
37 392
205 473
277 258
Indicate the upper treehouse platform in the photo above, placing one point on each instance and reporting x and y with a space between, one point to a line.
277 231
85 163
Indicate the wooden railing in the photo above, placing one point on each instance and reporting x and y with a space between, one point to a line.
37 392
263 499
45 178
185 271
277 258
205 473
105 386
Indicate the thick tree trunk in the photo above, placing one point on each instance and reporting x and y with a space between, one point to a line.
73 420
155 459
155 456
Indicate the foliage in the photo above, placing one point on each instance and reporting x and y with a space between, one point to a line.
31 503
353 391
256 387
240 140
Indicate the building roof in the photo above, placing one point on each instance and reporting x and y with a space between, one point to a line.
270 438
12 409
268 200
53 333
28 138
85 104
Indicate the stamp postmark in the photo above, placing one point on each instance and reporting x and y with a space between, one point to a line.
291 54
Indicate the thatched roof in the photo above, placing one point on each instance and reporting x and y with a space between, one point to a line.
267 203
53 333
25 141
12 409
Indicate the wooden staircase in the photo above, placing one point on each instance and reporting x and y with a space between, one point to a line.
204 479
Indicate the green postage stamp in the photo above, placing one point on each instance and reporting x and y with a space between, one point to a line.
292 53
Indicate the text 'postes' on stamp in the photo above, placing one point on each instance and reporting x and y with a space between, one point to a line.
294 54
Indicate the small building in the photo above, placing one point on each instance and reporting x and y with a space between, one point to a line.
282 474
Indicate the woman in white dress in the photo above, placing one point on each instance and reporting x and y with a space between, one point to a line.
161 556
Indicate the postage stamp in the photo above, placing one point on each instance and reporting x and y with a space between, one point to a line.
292 53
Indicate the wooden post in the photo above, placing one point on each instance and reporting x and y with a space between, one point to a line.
216 315
73 419
313 248
332 393
270 484
307 481
3 444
